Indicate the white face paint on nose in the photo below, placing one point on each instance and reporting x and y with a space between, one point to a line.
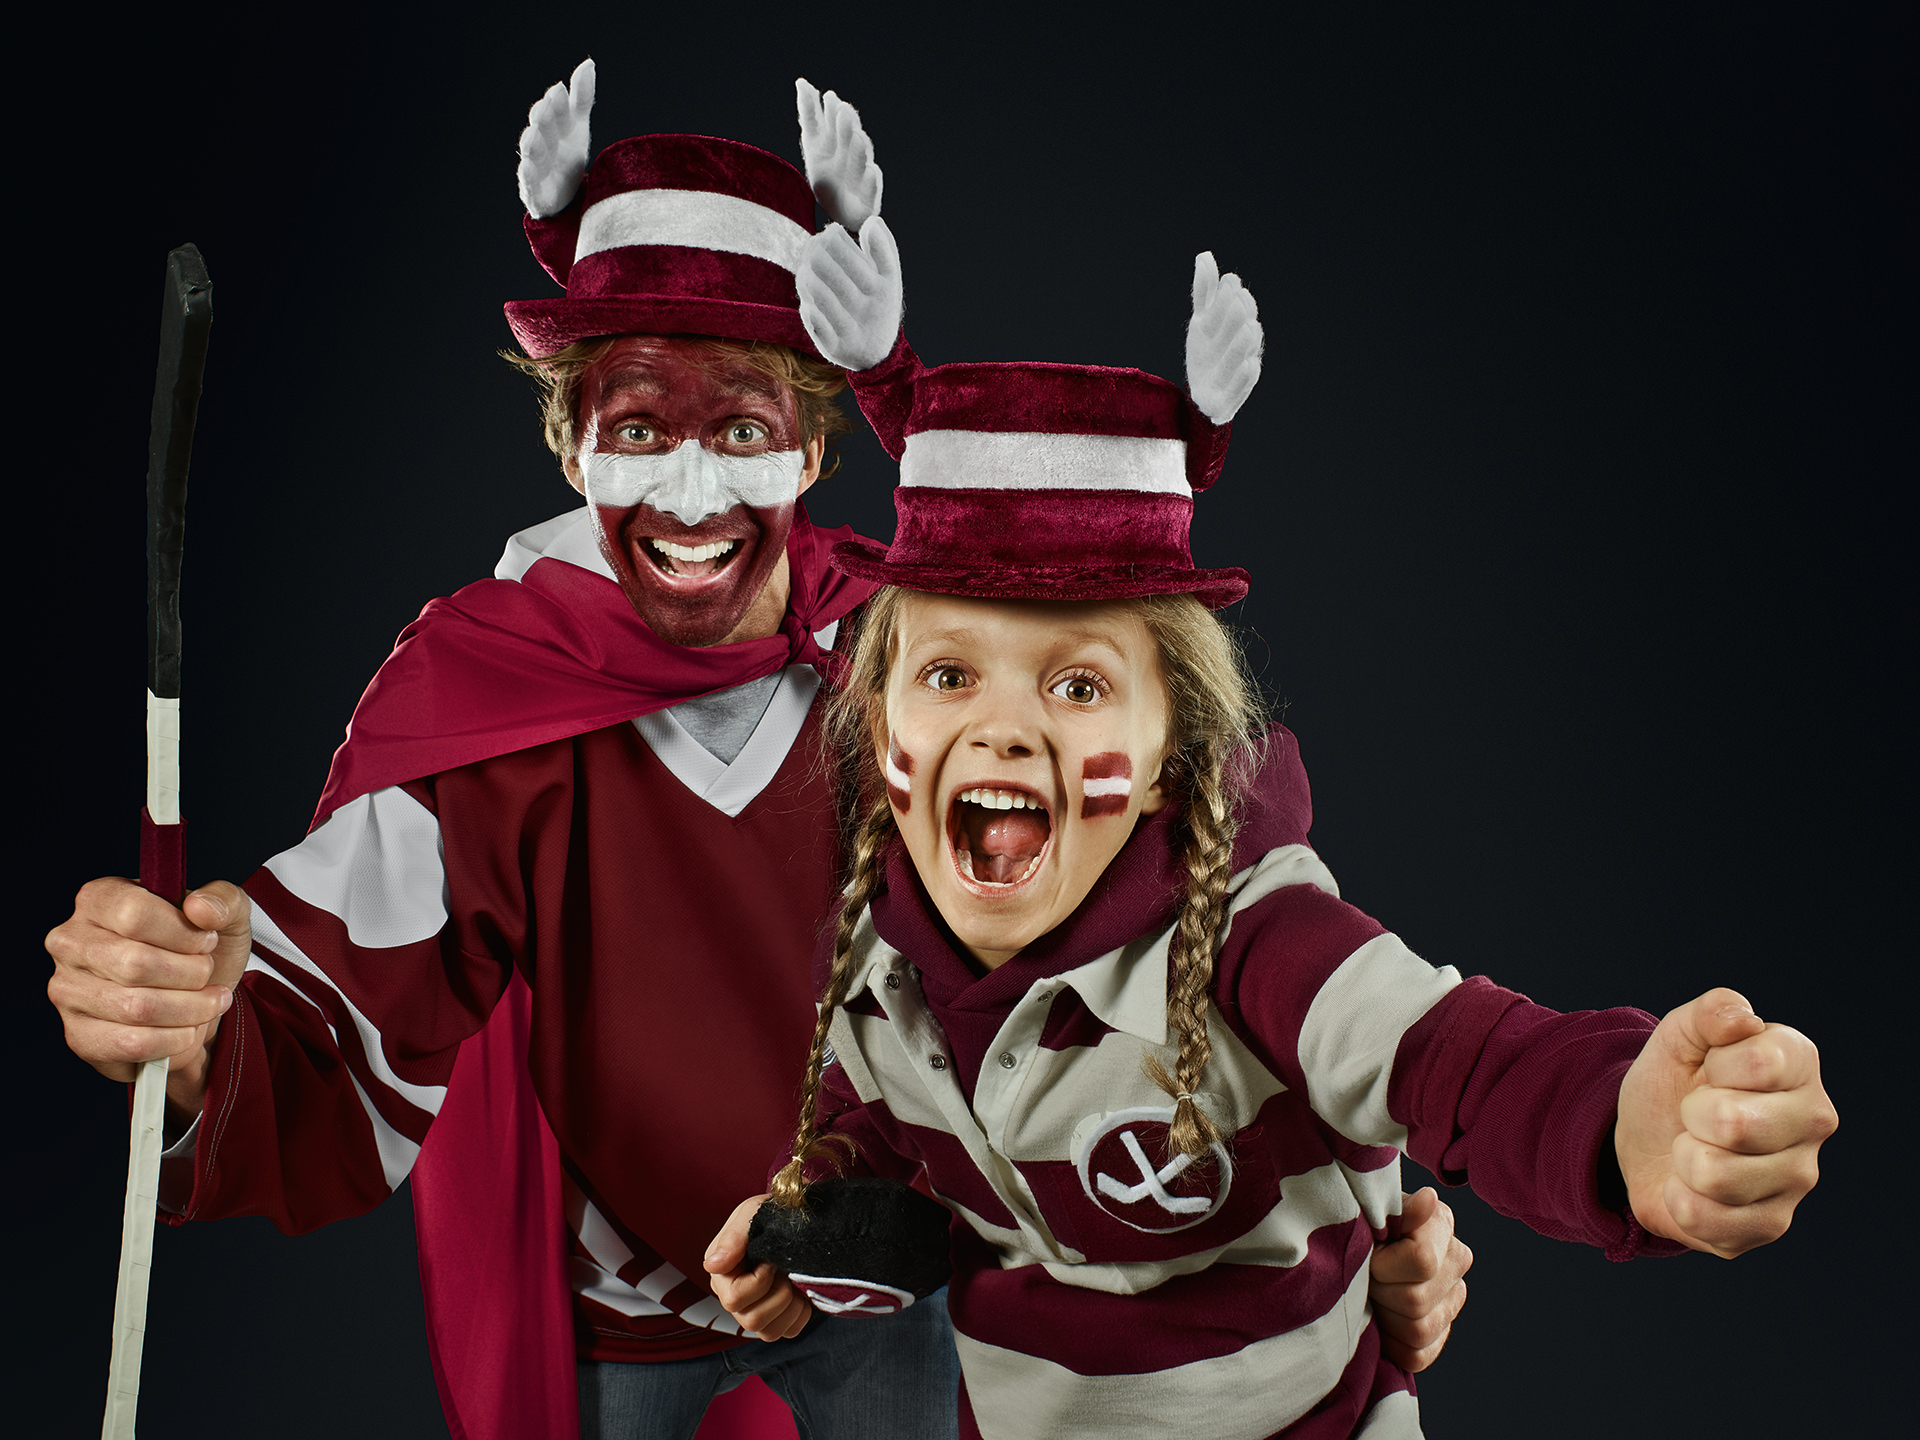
691 483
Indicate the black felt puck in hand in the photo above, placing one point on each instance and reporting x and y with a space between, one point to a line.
860 1246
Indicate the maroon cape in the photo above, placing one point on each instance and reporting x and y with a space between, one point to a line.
497 667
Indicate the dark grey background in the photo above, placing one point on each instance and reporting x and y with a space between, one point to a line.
1567 493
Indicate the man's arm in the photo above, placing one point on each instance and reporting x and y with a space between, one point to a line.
346 996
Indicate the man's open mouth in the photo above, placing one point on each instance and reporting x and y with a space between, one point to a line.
999 835
691 562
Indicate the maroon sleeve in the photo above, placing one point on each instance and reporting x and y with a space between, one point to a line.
1518 1101
1494 1091
329 1068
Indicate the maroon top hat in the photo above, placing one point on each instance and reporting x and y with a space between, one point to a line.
1030 481
673 234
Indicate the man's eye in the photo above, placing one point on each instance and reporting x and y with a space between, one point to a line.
1080 689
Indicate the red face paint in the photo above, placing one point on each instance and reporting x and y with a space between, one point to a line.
899 777
1106 784
646 396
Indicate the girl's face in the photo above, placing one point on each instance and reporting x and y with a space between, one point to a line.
1024 738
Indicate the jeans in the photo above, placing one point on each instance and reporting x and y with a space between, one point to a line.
846 1377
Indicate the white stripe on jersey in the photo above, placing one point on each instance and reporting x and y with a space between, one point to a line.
593 1281
730 788
1396 1417
1246 1395
598 1279
427 1097
397 1152
1353 1029
377 864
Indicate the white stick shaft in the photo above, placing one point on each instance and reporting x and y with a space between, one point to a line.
163 759
136 1251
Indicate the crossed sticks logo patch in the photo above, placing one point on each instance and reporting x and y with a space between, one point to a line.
1125 1170
837 1295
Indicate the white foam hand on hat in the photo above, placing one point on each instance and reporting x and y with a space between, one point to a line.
555 145
850 293
838 156
1223 341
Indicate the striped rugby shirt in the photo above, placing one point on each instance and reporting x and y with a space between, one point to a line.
1100 1290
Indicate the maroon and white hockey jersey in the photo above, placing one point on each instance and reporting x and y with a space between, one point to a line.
646 912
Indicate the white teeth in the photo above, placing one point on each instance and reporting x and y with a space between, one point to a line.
1001 800
691 552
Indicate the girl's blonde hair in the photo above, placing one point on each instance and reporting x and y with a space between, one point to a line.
1213 727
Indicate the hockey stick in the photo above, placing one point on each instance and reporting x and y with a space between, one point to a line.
186 314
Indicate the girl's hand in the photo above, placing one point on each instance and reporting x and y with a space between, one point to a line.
1417 1283
1721 1120
761 1299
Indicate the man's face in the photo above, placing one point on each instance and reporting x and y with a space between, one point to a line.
1023 740
691 465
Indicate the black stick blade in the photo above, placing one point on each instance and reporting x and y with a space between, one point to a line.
186 316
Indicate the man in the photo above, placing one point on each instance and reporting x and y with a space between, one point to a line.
558 902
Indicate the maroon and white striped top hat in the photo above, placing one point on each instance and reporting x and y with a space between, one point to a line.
673 234
1040 482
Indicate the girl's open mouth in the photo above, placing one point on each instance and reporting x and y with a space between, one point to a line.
998 835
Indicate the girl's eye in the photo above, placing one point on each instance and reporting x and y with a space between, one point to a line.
1080 689
637 432
947 678
745 432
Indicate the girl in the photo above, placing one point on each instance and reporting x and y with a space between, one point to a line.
1090 976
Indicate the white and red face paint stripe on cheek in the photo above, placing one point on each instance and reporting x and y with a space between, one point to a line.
899 776
1106 784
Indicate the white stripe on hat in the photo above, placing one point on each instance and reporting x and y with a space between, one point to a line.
990 460
698 219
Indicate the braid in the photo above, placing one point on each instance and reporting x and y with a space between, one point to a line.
1213 718
868 864
1210 826
849 735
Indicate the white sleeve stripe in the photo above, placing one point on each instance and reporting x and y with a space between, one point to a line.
1353 1029
377 864
427 1097
397 1153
